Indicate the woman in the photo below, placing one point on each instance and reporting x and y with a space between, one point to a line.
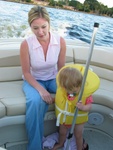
42 55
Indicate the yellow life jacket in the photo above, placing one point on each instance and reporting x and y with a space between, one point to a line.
64 108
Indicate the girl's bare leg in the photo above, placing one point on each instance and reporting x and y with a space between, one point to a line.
78 131
62 137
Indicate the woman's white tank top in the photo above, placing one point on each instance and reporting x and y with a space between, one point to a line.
40 68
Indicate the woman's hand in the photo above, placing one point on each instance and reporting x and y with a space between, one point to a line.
46 96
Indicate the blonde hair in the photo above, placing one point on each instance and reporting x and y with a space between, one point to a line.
70 78
38 12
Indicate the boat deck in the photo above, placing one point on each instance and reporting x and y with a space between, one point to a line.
96 140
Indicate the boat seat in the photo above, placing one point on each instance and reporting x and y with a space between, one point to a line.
13 103
104 95
12 99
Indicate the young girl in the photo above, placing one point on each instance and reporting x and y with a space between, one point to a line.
69 82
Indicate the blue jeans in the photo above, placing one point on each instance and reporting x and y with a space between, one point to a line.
35 112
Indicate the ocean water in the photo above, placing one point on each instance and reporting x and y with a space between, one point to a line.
69 24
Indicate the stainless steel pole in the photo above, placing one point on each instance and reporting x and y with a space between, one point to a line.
96 25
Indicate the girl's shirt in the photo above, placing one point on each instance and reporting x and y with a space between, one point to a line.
89 100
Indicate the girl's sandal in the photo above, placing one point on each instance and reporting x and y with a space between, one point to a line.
85 145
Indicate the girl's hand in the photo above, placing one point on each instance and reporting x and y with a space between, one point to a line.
80 106
83 107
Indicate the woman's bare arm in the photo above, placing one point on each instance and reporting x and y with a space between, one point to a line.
61 60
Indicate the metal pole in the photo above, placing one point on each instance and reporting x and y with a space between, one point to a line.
96 25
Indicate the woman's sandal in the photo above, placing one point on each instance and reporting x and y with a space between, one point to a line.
85 145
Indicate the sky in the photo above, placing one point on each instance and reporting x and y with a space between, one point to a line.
109 3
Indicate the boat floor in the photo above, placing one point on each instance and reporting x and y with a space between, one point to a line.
96 140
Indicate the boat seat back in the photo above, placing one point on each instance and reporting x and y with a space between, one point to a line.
103 67
10 69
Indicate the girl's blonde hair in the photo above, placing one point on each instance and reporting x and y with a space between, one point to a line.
70 78
38 12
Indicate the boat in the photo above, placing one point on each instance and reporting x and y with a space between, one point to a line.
98 130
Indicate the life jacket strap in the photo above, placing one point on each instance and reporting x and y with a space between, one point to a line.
66 113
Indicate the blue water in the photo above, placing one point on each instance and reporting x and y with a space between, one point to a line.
70 24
